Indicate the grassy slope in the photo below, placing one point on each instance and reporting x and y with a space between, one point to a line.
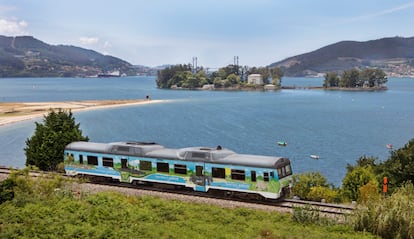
111 215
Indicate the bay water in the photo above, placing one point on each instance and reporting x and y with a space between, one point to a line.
338 126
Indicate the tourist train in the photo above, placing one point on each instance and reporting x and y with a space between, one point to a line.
204 169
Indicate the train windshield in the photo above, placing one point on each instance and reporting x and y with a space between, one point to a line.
284 170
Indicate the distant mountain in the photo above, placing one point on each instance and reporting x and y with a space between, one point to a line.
393 55
26 56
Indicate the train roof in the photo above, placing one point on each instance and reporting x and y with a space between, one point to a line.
217 154
125 148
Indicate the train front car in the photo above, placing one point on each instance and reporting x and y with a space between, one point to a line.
267 176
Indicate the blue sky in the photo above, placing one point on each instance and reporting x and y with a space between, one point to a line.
156 32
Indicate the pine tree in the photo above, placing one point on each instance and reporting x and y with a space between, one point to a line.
45 148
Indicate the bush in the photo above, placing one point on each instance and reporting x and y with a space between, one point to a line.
329 195
355 179
368 192
389 217
302 183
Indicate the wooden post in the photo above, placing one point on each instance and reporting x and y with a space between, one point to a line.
385 185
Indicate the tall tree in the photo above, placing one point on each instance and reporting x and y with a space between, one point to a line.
45 148
331 80
399 168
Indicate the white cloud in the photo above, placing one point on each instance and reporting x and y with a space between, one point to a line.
12 27
88 40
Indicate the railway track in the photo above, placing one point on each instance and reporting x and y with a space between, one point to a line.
285 205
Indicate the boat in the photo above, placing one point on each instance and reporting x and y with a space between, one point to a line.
389 146
313 156
281 143
110 74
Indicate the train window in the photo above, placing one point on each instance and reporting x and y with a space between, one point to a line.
163 167
279 172
199 171
218 172
201 155
266 176
92 160
123 148
272 174
288 169
124 163
145 165
81 159
108 162
253 176
180 168
238 174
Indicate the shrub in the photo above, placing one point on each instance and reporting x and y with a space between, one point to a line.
390 217
302 183
318 193
369 192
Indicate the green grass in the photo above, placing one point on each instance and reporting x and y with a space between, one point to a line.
42 211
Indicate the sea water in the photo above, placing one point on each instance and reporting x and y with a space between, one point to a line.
338 126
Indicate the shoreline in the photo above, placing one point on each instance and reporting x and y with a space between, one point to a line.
14 112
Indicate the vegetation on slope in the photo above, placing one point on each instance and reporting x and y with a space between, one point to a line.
49 208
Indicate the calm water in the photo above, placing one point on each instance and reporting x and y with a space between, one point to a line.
338 126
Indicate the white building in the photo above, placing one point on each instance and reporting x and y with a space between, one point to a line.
255 79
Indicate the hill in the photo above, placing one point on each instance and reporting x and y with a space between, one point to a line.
26 56
393 55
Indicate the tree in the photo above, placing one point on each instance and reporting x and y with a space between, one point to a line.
45 148
374 77
350 79
356 178
399 168
331 80
303 183
277 75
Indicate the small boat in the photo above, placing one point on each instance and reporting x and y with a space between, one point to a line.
313 156
281 143
389 146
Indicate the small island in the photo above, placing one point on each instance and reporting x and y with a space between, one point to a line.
368 79
231 77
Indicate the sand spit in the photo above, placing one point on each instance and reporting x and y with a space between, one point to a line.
12 112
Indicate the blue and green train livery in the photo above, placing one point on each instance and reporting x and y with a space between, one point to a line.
199 168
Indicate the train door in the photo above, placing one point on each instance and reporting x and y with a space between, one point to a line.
125 171
200 180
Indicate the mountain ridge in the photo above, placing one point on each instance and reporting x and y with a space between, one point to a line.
395 55
26 56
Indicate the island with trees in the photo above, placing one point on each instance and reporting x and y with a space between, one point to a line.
354 79
231 77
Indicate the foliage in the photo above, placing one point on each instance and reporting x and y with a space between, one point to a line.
234 76
355 78
45 148
309 215
331 80
49 209
303 183
166 76
319 193
6 190
355 179
399 168
369 192
389 217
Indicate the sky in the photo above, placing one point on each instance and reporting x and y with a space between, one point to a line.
157 32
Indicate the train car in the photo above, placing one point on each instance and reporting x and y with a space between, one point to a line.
202 169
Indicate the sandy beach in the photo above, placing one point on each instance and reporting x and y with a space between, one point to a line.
12 112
